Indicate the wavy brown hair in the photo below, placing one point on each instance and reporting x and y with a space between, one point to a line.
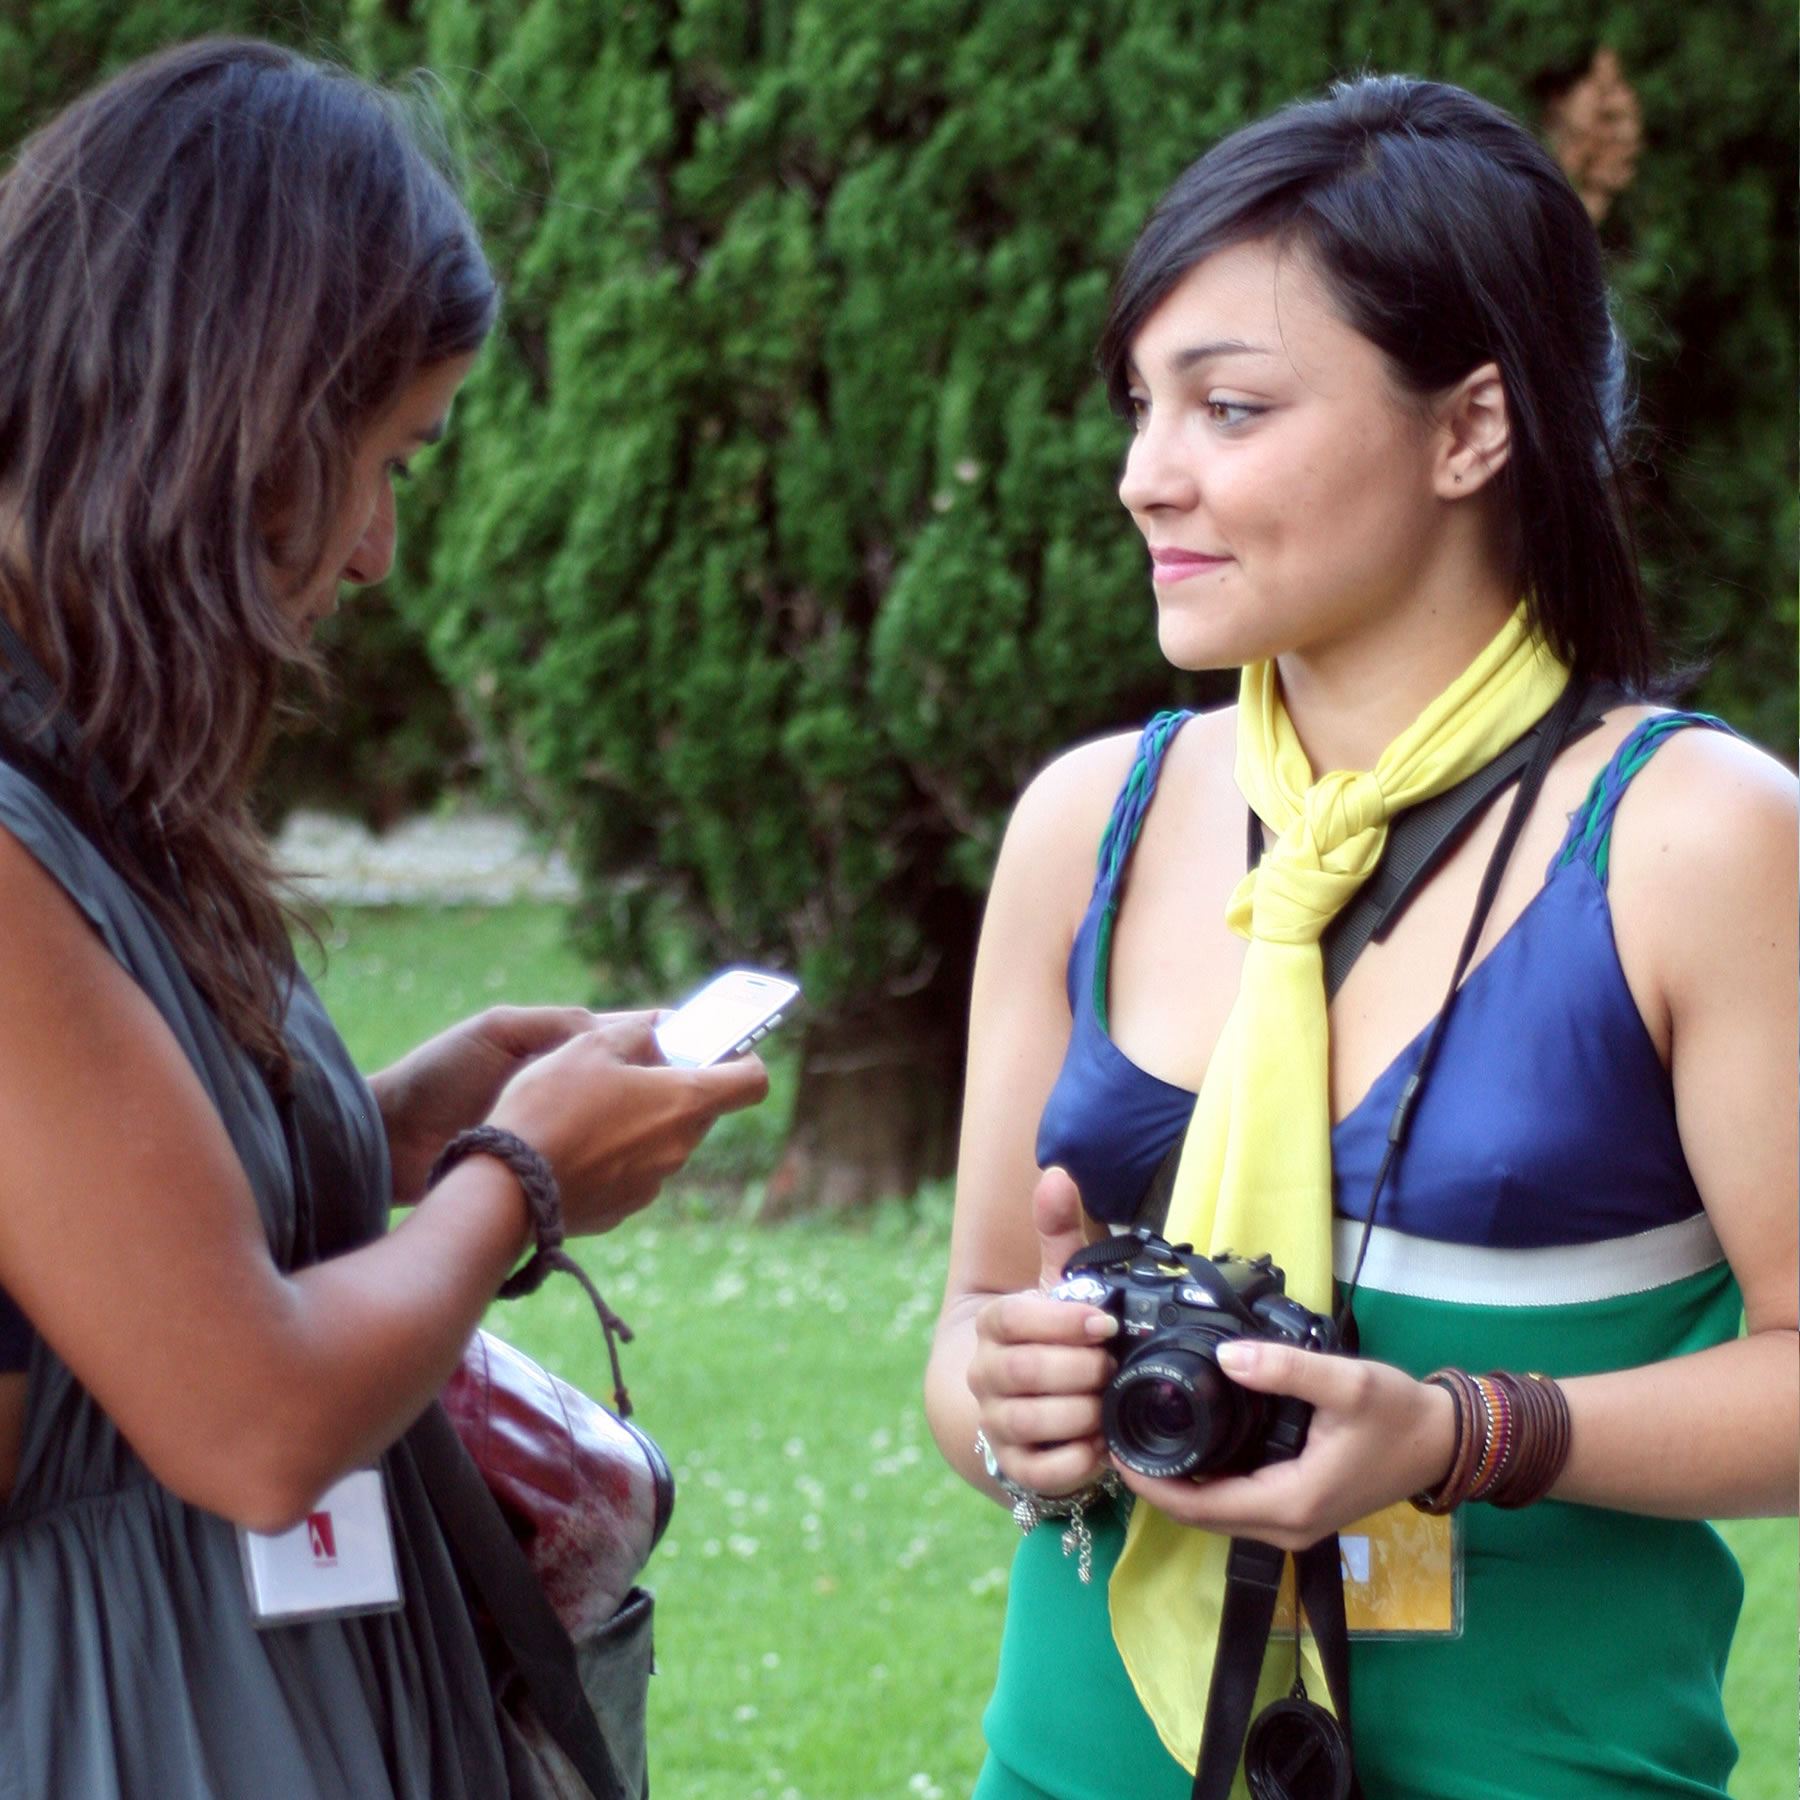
215 272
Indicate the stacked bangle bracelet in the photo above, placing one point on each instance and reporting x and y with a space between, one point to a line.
1512 1440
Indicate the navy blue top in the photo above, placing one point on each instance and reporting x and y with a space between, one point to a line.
1546 1086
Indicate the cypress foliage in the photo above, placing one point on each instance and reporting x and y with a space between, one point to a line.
776 544
779 538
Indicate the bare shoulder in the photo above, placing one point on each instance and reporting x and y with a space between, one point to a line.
1061 816
35 905
1703 864
1708 807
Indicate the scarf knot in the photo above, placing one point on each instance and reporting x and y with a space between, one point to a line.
1329 849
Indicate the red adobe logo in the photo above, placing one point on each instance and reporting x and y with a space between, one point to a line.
322 1538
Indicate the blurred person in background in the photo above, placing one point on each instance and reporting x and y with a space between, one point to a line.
236 298
1377 410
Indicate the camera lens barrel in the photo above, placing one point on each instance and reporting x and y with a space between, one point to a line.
1169 1410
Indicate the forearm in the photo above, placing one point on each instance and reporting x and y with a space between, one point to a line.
352 1351
1712 1435
950 1408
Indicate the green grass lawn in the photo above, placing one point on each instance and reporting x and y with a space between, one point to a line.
829 1597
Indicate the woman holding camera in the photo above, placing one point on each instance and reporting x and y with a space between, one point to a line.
1377 411
235 300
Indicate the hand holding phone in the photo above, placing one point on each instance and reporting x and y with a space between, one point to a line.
730 1014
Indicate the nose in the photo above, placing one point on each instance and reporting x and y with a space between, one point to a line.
373 558
1156 475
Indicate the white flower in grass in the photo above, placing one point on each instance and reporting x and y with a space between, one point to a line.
794 1447
878 1672
987 1583
810 1523
772 1660
711 1547
927 1789
744 1714
739 1545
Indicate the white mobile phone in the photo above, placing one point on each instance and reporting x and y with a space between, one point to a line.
726 1017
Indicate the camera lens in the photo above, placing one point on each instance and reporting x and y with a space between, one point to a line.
1169 1411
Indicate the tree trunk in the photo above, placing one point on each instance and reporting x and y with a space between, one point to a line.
880 1093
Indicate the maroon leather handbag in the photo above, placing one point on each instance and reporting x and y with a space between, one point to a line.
586 1492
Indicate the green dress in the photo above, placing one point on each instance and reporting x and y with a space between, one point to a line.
1543 1218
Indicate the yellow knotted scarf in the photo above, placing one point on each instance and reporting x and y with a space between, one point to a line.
1255 1170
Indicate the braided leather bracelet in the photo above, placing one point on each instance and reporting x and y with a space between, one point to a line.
543 1199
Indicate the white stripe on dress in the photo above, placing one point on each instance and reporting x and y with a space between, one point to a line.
1561 1275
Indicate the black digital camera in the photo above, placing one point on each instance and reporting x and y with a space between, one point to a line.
1169 1408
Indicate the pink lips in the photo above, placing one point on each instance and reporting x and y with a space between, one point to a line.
1168 564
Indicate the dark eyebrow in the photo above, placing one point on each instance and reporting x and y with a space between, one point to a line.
1183 360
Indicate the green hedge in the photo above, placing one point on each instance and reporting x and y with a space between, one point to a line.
814 554
777 545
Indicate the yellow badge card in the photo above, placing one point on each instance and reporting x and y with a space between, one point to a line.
1402 1575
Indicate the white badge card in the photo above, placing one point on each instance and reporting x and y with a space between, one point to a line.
337 1561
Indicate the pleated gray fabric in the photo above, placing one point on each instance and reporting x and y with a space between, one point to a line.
129 1668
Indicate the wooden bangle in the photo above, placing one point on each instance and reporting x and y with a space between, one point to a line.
1451 1491
1512 1440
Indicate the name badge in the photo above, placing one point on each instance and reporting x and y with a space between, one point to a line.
1402 1575
338 1561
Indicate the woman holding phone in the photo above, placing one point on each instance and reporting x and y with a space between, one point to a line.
1377 411
235 300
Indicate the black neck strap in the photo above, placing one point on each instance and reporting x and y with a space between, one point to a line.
1253 1569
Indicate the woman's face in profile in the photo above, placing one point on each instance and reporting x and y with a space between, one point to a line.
1282 481
360 548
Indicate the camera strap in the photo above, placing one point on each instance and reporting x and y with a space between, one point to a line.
1313 1761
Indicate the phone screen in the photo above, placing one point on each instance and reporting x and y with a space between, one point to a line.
728 1014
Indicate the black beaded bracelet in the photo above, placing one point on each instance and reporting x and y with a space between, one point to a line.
543 1200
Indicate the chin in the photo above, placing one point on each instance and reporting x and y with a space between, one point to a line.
1198 645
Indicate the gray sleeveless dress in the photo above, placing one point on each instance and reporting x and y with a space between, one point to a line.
129 1668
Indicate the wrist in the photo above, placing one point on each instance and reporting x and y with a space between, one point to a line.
482 1187
1439 1438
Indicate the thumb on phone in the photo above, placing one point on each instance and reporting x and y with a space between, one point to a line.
1056 1211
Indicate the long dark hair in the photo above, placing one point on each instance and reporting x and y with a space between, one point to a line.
1448 237
215 272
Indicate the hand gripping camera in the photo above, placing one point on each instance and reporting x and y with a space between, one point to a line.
1169 1408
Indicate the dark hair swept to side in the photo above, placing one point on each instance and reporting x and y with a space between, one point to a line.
1448 237
216 271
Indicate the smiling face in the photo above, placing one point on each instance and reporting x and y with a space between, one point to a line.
1293 497
360 548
